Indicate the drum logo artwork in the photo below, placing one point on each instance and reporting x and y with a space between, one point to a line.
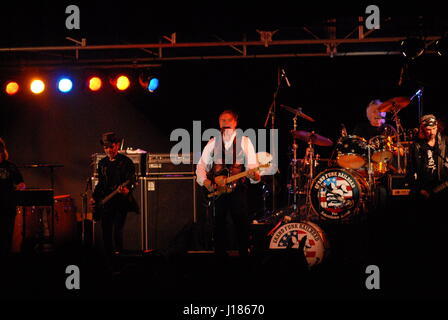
335 195
292 233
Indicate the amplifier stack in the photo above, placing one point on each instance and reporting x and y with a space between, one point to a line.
167 196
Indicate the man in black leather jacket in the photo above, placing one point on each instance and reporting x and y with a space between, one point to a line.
428 166
116 172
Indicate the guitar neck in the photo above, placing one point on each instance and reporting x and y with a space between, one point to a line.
113 193
441 187
240 175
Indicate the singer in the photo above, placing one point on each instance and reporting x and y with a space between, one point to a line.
229 154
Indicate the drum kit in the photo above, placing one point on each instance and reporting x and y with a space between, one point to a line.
340 189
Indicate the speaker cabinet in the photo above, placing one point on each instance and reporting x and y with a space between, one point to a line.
170 203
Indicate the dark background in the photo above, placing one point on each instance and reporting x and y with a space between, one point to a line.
65 129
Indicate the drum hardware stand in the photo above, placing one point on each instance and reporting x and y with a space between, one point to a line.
370 172
311 163
399 132
295 175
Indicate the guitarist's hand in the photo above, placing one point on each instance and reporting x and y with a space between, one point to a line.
254 175
123 190
209 185
92 201
425 194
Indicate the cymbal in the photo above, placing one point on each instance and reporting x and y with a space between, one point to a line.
297 112
396 103
312 137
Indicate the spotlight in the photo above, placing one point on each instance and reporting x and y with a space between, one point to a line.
37 86
95 83
12 87
442 46
149 82
153 84
412 47
65 85
122 82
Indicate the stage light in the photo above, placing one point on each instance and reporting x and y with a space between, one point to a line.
153 84
65 85
12 88
37 86
442 46
148 81
412 47
95 83
122 83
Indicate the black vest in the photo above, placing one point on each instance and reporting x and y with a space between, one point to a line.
227 162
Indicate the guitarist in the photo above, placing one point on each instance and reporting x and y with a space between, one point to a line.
428 170
229 154
113 171
428 167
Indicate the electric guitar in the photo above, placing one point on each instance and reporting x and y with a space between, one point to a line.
99 204
227 184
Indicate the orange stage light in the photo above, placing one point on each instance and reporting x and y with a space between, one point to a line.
12 88
123 83
95 83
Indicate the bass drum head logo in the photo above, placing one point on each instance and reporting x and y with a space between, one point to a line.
334 194
315 244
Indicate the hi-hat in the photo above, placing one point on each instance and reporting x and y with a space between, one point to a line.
312 137
394 104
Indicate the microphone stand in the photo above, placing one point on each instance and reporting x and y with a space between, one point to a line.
271 114
419 95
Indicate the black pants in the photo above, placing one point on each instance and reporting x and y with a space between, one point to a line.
7 219
235 204
112 223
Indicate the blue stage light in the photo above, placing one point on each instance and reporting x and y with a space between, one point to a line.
153 84
65 85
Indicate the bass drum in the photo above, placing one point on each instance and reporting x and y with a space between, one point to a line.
339 195
316 246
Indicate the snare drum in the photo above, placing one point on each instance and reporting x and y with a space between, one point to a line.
352 151
382 148
316 246
339 195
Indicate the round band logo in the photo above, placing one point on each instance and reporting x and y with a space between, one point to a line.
334 194
294 232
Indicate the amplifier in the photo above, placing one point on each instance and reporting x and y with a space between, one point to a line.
162 164
139 160
398 185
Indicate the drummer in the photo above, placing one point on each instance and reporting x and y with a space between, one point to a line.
377 123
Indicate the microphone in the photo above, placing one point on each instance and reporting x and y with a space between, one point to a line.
418 93
224 129
286 78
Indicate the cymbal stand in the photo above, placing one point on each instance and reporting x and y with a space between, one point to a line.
311 163
399 132
295 175
370 171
